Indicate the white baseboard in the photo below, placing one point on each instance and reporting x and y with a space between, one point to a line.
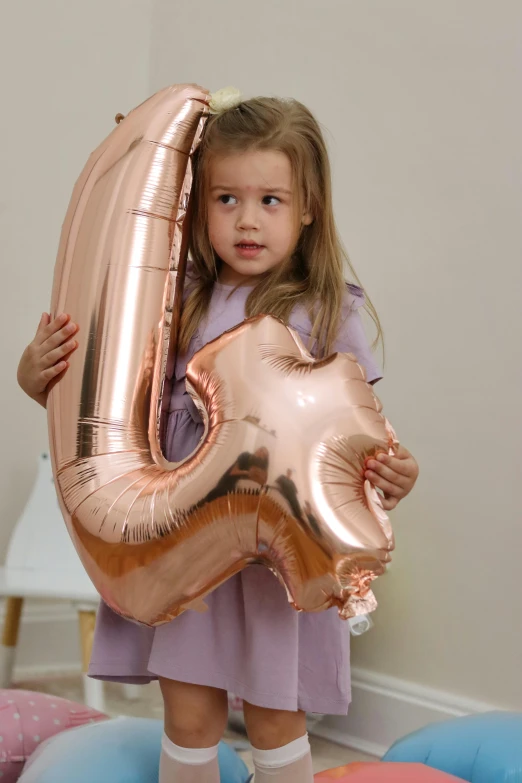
340 737
385 709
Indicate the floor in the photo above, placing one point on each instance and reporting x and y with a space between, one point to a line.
325 754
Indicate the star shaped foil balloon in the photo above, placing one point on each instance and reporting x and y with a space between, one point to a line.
278 477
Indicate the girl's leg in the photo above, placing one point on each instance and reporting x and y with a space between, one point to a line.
280 746
195 720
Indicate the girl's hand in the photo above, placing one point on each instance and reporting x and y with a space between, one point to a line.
45 360
394 476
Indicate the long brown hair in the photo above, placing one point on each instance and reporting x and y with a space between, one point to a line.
314 274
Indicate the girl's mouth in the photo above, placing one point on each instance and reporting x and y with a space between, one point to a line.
248 249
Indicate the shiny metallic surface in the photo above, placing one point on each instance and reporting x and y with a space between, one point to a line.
279 475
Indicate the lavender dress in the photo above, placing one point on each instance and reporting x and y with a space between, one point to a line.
250 641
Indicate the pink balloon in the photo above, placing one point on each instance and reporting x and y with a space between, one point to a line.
28 718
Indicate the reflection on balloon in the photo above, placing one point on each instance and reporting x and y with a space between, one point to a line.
279 475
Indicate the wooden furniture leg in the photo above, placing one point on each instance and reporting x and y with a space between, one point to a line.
13 613
93 689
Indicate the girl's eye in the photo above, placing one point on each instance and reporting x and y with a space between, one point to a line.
227 199
270 201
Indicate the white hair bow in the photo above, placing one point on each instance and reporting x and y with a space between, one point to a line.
225 99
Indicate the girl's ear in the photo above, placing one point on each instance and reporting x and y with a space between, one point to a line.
307 219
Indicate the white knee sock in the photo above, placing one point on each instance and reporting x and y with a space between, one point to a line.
292 763
187 765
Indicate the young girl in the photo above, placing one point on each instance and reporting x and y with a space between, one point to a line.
263 241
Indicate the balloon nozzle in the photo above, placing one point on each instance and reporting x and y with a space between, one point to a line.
361 624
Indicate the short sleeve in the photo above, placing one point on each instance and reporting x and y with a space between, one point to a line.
351 337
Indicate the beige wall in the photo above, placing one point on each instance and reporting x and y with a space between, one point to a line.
66 69
420 100
421 103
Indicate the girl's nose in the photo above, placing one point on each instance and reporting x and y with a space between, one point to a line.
248 218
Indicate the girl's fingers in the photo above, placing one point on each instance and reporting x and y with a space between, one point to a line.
58 338
45 330
57 326
62 352
389 474
402 463
52 383
44 321
52 372
402 466
387 487
389 504
40 335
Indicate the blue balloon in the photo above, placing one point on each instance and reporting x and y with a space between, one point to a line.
123 750
485 748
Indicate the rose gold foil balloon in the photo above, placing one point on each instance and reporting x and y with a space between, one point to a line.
278 477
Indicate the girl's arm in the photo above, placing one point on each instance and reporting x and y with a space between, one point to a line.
394 476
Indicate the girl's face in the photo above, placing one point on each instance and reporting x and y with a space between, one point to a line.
251 213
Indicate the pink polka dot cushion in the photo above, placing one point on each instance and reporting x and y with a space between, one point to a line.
378 772
28 718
